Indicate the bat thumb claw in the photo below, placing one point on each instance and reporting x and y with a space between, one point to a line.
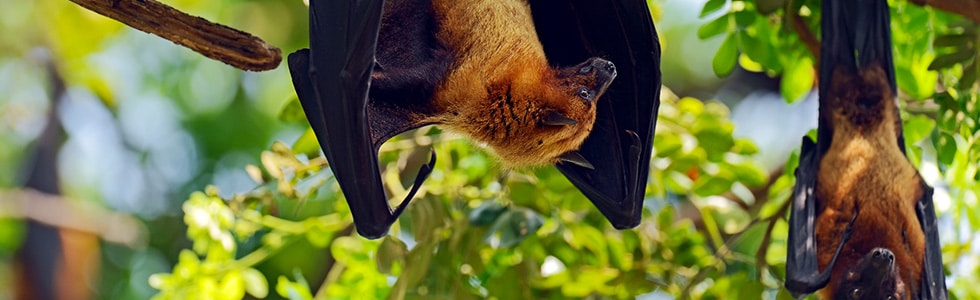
555 118
574 157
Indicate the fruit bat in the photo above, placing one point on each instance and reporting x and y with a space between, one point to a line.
532 81
862 224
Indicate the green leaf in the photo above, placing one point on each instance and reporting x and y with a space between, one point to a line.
744 147
917 128
293 112
946 147
725 59
948 60
953 40
390 251
745 18
307 144
487 213
797 79
667 145
750 174
521 223
969 76
713 28
712 6
711 185
756 44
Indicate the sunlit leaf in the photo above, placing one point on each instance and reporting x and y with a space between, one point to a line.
714 28
797 79
712 6
947 60
724 61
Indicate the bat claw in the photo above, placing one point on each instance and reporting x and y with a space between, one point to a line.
423 174
576 158
555 118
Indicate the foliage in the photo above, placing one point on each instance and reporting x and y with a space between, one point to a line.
523 234
714 223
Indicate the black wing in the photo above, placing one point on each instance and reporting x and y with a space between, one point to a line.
803 275
622 137
332 80
932 285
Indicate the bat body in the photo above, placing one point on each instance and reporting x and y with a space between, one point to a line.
861 212
487 70
482 72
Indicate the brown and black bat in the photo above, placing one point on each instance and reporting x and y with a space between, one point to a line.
862 224
532 81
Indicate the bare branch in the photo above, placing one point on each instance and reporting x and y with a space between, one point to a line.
54 210
966 8
231 46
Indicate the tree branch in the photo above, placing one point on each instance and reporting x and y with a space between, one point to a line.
806 35
966 8
55 211
231 46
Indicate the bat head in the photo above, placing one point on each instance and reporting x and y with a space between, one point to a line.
569 109
588 80
875 276
536 118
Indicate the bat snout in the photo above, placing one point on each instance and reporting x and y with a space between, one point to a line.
604 72
881 258
880 263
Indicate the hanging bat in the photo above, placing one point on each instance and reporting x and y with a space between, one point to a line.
534 88
862 224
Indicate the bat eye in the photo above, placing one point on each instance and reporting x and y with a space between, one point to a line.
890 298
585 70
856 294
584 93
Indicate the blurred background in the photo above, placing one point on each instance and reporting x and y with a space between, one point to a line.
131 168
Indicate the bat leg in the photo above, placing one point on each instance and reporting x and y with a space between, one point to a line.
423 174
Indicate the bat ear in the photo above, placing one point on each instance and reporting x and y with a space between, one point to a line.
556 118
574 157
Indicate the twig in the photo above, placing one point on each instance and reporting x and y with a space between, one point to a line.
231 46
806 35
334 268
966 8
55 211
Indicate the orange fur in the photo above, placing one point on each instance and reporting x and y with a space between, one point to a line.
864 172
501 84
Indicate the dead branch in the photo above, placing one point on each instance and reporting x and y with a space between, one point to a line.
231 46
